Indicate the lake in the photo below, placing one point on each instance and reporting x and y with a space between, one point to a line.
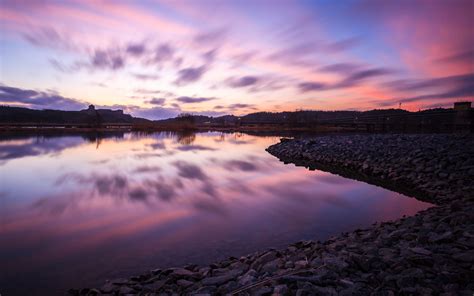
76 210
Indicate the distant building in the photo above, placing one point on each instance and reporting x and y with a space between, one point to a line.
462 106
464 118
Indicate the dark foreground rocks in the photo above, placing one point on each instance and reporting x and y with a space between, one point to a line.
431 253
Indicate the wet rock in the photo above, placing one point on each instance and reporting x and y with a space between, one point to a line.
271 266
465 256
155 286
445 237
184 283
263 291
301 264
247 278
420 251
219 280
126 290
181 272
280 290
119 281
108 288
265 258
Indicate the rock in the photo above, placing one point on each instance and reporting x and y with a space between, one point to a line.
155 286
263 291
119 281
420 251
108 288
271 266
184 283
335 263
326 291
445 237
181 272
263 259
208 290
301 264
467 256
219 280
228 287
246 280
280 290
126 290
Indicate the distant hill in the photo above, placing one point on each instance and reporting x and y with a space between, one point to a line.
296 117
258 120
87 116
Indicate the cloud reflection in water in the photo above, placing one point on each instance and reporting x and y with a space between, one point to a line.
146 200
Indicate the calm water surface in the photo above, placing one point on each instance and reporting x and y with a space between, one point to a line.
77 210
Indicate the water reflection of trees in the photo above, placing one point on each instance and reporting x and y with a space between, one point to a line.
185 137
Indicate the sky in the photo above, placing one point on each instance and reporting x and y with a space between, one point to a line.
156 59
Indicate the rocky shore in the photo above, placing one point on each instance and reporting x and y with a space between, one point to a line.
431 253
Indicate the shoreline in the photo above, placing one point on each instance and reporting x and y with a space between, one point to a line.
430 253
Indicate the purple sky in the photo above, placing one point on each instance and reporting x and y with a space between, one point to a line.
159 58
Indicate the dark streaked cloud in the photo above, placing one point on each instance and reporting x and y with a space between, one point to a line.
343 44
192 100
141 76
99 84
340 68
210 56
441 88
463 92
115 58
136 49
358 76
453 82
257 83
111 59
211 37
296 54
38 100
242 81
353 78
145 91
193 74
163 53
240 106
189 75
311 86
51 38
465 56
59 65
157 101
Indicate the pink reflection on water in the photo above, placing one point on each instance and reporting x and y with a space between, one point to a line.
157 200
